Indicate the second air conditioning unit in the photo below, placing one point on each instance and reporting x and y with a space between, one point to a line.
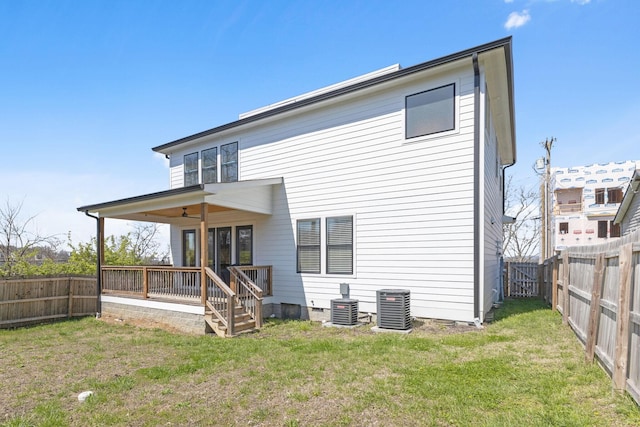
394 309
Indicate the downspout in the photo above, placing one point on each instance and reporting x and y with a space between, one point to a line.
98 265
476 190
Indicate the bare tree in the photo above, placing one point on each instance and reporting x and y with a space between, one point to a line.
522 237
19 238
145 245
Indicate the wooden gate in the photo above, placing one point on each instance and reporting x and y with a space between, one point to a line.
522 279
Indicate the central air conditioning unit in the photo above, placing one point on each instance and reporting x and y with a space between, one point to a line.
394 309
344 311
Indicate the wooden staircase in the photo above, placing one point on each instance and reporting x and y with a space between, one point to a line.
242 322
233 310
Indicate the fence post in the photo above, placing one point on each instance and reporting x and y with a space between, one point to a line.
70 303
594 309
565 288
554 284
622 323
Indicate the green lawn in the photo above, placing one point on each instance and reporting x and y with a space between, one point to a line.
523 369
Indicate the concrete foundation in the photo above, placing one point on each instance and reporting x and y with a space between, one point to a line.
174 317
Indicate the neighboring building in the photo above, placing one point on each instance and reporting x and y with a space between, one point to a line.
390 180
586 200
628 216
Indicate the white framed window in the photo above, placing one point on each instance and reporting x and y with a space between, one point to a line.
229 162
191 169
430 112
340 245
210 165
308 248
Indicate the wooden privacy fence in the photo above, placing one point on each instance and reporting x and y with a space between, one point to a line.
521 279
597 290
39 299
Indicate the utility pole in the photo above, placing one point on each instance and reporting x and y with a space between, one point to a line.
546 246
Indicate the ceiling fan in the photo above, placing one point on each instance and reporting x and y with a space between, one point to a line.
186 215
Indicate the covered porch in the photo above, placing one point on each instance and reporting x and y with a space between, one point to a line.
231 295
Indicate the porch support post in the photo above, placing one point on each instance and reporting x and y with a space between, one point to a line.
204 247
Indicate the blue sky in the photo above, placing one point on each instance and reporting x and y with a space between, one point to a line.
87 87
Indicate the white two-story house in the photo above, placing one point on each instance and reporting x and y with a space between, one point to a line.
391 180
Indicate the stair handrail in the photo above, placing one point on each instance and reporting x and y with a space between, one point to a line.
227 304
255 290
247 285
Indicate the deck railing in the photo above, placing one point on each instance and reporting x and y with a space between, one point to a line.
260 275
170 282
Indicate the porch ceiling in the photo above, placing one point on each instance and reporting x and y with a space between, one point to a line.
182 205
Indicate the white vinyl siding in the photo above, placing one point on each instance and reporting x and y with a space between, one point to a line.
631 221
411 200
491 232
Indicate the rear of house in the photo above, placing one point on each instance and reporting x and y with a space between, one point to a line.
391 180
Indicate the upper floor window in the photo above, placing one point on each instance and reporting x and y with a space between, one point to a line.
602 229
614 195
431 111
600 196
614 230
190 169
564 228
229 162
210 165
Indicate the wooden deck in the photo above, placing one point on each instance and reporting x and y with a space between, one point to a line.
229 308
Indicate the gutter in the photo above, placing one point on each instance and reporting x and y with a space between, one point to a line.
98 265
476 190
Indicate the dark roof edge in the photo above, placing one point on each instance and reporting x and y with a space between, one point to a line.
504 42
144 197
512 109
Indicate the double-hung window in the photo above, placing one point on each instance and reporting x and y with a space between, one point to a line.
308 246
210 165
431 111
229 162
190 169
340 245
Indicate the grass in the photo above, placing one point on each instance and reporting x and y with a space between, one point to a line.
523 369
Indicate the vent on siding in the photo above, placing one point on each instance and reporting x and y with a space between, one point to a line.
344 311
394 309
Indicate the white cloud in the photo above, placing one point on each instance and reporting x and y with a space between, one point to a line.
581 2
516 20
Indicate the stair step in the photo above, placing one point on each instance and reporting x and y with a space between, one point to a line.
243 326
